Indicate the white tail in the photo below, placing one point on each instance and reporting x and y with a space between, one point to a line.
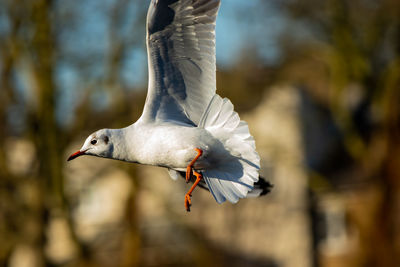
227 181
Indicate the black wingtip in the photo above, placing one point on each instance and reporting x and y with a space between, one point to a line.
264 185
160 15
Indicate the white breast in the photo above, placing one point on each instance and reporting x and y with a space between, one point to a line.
173 146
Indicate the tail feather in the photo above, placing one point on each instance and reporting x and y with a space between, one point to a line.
235 176
260 188
235 179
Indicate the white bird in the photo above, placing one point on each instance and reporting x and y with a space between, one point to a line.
185 126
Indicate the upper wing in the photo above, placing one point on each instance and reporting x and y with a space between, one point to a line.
181 59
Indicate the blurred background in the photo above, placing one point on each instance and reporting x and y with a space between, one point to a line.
317 81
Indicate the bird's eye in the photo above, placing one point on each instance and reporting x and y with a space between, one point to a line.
93 142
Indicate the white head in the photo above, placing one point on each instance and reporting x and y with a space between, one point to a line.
97 144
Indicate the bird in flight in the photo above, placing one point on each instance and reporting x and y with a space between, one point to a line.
185 126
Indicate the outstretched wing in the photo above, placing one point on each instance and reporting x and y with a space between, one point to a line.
181 59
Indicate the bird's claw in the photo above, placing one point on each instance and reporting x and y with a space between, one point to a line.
188 202
189 174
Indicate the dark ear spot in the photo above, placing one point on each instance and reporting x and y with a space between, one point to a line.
106 139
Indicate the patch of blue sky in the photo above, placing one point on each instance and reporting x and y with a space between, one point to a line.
4 22
86 38
69 93
134 68
25 89
251 24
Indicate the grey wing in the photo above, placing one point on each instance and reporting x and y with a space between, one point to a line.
181 59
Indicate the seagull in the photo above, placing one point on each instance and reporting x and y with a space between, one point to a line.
185 126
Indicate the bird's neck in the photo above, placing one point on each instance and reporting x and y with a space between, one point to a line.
124 145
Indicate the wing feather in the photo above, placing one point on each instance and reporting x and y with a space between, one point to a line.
181 58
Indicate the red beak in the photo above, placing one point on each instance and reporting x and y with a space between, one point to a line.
76 154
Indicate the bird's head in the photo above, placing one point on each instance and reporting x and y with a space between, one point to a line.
97 144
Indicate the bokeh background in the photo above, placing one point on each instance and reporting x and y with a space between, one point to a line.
317 81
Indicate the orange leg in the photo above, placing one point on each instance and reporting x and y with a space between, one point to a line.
189 168
188 201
